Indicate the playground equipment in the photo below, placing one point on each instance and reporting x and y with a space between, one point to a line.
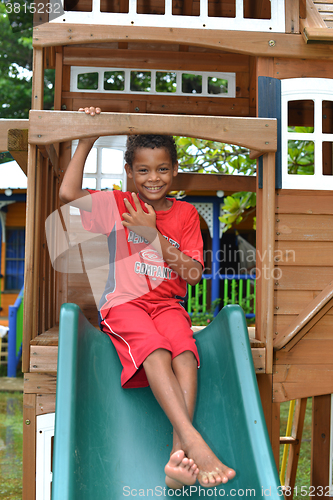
228 414
272 84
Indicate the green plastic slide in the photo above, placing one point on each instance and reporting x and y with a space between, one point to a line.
112 443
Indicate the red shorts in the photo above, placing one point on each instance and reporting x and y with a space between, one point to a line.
138 328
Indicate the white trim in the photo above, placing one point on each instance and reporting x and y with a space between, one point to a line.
77 70
276 24
44 434
117 335
316 90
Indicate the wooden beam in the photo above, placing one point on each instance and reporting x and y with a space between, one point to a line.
320 443
208 182
153 59
250 43
18 147
266 257
5 125
47 127
29 447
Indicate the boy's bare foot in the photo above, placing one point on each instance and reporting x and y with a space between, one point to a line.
180 471
211 470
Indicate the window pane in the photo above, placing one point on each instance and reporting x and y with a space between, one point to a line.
217 85
87 81
112 161
301 116
91 162
111 183
140 81
114 80
191 84
89 183
327 158
301 157
328 117
166 82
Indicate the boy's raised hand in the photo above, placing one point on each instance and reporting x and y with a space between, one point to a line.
142 223
92 111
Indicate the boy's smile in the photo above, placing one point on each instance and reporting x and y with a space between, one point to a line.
153 172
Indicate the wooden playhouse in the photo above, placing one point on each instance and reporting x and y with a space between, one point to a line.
277 59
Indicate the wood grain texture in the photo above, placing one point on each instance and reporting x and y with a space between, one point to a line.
47 127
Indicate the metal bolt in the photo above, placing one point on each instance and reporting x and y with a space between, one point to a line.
277 308
34 366
277 220
276 333
137 109
266 142
271 43
27 422
278 234
64 106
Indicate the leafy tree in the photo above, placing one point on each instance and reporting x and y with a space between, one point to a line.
16 67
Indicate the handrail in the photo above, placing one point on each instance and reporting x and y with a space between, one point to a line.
313 311
13 356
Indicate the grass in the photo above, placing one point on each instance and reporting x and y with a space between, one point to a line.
11 431
11 428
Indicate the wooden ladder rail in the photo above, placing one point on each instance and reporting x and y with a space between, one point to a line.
294 442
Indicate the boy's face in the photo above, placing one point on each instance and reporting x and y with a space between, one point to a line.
152 172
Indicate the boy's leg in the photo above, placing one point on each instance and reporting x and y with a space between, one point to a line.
169 394
180 470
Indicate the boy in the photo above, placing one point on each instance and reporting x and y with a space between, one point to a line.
157 252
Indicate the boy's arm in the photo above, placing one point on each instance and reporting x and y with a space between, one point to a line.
144 224
71 187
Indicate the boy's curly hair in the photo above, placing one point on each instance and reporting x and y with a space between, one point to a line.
135 142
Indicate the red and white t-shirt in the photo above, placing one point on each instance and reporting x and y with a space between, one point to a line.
136 269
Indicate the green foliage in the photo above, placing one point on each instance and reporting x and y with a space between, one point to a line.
235 206
16 56
200 155
199 317
301 153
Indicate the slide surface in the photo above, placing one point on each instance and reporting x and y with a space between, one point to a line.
112 443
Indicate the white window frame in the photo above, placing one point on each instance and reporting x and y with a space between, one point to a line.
316 90
276 24
77 70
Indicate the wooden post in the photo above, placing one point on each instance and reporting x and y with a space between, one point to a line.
29 447
320 444
271 412
267 256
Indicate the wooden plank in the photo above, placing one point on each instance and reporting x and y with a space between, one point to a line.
40 383
304 227
301 325
307 373
211 182
304 278
120 103
45 403
292 16
250 43
259 359
43 359
153 59
307 351
267 262
50 337
295 390
29 447
320 443
313 18
58 78
293 68
37 79
18 147
292 301
304 202
7 124
297 253
46 127
29 260
296 433
271 412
